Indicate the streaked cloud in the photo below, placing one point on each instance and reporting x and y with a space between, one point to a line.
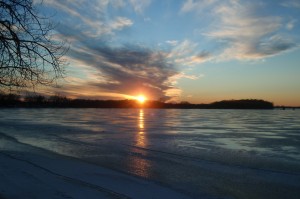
173 79
186 53
291 3
91 16
196 5
241 29
246 34
140 5
172 42
199 58
120 22
127 69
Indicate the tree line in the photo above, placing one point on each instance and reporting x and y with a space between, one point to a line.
56 101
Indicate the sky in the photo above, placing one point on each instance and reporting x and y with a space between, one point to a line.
198 51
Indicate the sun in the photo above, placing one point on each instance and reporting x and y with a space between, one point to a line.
141 99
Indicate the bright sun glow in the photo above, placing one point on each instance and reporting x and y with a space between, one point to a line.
141 99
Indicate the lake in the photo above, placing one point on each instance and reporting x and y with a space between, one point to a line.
200 153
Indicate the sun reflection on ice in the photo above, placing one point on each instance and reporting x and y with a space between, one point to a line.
140 165
140 136
141 121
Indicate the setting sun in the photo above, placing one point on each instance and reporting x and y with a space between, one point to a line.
141 98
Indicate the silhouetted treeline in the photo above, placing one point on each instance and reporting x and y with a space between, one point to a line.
39 101
243 104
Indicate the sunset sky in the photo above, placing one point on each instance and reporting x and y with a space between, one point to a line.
180 50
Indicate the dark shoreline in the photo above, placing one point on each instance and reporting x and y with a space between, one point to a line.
16 101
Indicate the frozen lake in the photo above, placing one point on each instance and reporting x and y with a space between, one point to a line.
199 153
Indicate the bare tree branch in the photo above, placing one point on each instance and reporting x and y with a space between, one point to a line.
28 53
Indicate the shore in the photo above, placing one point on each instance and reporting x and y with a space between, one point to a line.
36 173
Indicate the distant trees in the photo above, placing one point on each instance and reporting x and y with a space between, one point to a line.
243 104
28 53
57 101
34 100
9 100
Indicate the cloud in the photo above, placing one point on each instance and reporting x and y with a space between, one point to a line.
91 16
173 80
245 34
241 29
183 49
198 58
126 69
291 3
136 69
106 67
186 53
196 5
173 94
139 5
172 42
291 24
274 45
120 22
101 66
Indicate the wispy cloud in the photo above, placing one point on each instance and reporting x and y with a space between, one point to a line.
91 16
119 23
291 24
173 79
186 53
140 5
196 5
172 42
247 34
242 30
194 59
291 3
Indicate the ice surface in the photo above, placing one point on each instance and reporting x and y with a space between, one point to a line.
30 172
195 153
